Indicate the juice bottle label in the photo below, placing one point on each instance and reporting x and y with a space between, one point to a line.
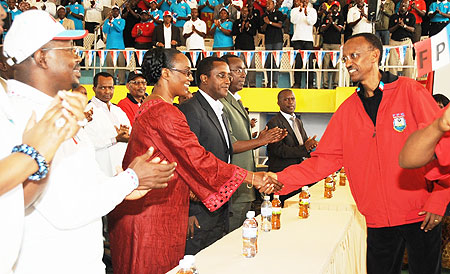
276 210
266 211
304 201
249 232
330 184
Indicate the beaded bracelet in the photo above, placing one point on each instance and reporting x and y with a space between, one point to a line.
40 160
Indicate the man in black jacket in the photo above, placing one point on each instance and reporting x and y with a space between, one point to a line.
159 33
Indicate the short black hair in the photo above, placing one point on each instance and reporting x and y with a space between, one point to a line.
373 40
155 60
282 91
102 74
441 98
228 56
206 65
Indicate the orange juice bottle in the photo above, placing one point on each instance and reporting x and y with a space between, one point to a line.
185 267
342 177
304 201
328 188
276 212
333 177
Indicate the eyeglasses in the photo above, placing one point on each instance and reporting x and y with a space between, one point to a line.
240 70
224 75
138 82
73 49
186 72
353 56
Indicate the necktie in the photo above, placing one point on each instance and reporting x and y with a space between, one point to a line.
296 131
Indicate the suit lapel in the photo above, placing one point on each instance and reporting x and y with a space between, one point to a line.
211 114
286 124
237 106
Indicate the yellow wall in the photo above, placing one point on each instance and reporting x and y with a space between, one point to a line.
265 99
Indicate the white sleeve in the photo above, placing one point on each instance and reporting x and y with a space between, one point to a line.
295 15
311 19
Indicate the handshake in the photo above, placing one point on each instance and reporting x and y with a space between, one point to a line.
265 182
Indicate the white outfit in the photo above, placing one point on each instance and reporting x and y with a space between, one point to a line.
93 14
50 7
63 228
303 25
191 3
364 25
11 202
195 41
102 132
167 36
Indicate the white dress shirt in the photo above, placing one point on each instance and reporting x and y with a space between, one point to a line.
288 118
364 25
102 132
63 228
93 14
11 202
195 41
217 107
167 36
236 96
303 25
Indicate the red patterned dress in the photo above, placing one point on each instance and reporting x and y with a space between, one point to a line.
148 235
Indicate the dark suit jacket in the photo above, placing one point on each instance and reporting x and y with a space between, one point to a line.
158 35
204 123
287 151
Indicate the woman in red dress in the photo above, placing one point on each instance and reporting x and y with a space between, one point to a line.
148 235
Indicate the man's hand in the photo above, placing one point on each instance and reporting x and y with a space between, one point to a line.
273 135
139 32
266 20
265 184
159 44
88 114
311 143
173 43
191 222
217 23
192 197
123 134
444 121
68 10
154 174
431 220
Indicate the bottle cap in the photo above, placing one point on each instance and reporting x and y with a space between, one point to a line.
190 259
266 198
250 214
184 264
276 196
305 188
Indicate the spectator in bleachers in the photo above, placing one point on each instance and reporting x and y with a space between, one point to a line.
357 18
245 30
272 23
441 100
260 5
238 4
93 17
303 17
182 12
167 35
113 28
13 9
385 11
419 9
223 40
75 12
439 16
143 32
347 29
331 28
194 31
143 4
401 26
45 5
136 85
206 8
192 3
131 15
164 5
156 15
287 14
67 23
232 11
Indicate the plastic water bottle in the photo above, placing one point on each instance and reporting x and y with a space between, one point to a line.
250 236
266 214
185 267
191 260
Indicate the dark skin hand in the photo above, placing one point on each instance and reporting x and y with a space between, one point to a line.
123 134
431 220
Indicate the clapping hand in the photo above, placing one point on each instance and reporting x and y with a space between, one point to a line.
273 135
311 143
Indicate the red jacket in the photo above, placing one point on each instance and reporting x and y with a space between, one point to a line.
385 194
147 32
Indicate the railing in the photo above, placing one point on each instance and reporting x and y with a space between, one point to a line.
257 61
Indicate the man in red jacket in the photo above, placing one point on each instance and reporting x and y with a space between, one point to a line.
365 135
143 31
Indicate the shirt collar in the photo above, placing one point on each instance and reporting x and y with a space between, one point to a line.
235 95
100 104
386 78
216 105
287 115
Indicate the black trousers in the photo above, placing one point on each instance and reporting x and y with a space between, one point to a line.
386 246
298 75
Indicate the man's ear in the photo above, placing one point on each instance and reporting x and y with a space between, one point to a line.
203 78
40 58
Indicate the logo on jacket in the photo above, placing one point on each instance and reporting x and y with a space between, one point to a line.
399 122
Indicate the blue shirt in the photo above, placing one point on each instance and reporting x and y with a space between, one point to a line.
76 9
14 13
222 40
157 14
286 11
206 8
164 5
180 10
443 7
114 32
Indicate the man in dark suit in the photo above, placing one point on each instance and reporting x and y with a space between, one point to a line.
206 119
167 27
296 145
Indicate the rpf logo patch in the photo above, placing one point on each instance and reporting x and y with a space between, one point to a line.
399 122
